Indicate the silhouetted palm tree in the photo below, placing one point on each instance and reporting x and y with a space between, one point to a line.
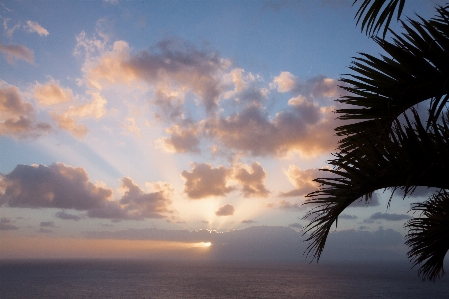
377 150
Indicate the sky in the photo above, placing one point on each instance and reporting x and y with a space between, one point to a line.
174 129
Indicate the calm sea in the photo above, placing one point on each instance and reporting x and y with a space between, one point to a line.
156 279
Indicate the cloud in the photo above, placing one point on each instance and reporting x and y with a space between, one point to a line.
35 27
314 88
51 93
9 31
295 225
47 224
364 245
183 139
420 191
285 82
68 118
264 243
361 203
288 206
205 181
251 180
248 221
226 210
389 217
66 187
17 52
131 126
346 216
171 65
17 116
302 180
253 132
6 224
67 216
112 2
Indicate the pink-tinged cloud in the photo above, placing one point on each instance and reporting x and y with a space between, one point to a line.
68 119
285 82
170 66
302 180
315 88
35 27
205 181
66 187
288 206
304 128
182 139
252 180
17 117
226 210
17 52
52 93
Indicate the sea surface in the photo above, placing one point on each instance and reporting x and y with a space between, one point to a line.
174 279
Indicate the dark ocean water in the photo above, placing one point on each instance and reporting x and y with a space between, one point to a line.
156 279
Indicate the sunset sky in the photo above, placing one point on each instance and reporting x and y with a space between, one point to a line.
130 127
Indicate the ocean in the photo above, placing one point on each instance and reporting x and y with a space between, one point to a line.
201 279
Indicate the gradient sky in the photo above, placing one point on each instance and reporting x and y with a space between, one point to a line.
156 120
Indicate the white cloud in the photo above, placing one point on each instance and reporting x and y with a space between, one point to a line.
35 27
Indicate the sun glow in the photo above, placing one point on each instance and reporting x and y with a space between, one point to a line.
202 244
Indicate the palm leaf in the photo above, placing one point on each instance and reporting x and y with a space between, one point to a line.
413 156
414 69
374 14
428 236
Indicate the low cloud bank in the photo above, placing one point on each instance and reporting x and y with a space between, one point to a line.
275 243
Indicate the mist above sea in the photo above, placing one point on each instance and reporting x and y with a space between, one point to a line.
206 279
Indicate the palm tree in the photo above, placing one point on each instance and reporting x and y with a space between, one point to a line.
380 151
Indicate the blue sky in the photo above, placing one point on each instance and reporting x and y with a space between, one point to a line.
175 115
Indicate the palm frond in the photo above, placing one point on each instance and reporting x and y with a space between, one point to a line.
374 14
414 70
428 235
411 156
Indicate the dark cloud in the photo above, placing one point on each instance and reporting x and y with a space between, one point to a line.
389 217
248 221
288 206
6 224
226 210
364 245
45 231
346 216
420 191
66 187
295 225
67 216
47 224
275 243
17 116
